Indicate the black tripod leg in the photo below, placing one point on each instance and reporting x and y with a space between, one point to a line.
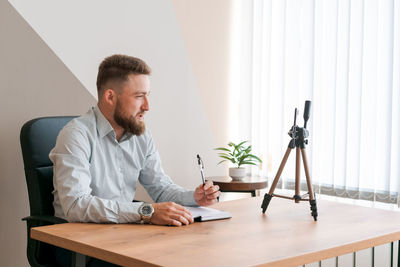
313 207
265 203
313 202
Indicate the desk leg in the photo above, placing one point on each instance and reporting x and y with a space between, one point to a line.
253 193
78 260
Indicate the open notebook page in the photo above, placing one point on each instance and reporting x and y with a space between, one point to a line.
201 214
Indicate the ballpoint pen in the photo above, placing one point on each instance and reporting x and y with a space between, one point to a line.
201 167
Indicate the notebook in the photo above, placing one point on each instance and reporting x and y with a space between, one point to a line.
202 214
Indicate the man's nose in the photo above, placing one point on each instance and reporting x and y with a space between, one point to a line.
146 104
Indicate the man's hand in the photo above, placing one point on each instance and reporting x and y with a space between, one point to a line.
170 213
207 195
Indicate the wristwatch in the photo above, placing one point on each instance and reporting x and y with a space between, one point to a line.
146 210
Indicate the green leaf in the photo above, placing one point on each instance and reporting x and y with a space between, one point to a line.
241 159
222 149
240 144
221 161
234 154
244 155
228 158
238 148
255 157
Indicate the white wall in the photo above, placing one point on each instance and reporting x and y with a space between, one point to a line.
49 54
206 29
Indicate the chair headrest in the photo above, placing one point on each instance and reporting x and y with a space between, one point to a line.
38 137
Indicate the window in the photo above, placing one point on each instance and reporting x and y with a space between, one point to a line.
342 55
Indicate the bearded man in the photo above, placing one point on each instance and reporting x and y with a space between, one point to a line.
99 157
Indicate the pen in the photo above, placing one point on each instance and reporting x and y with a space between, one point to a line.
201 167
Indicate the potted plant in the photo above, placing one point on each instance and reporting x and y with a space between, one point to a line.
239 155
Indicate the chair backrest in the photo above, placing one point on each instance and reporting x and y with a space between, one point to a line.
38 137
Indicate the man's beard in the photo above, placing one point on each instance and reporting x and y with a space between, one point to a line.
130 124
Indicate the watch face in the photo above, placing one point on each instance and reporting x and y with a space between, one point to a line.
147 210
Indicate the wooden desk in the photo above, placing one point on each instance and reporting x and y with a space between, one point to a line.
247 185
285 236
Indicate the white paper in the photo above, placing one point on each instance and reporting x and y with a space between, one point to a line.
207 214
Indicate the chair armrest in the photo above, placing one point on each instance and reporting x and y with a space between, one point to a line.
38 251
45 219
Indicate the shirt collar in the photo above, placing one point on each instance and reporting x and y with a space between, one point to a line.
103 125
126 137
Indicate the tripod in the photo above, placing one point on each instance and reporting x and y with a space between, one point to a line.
298 141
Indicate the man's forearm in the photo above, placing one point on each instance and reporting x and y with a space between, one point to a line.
97 210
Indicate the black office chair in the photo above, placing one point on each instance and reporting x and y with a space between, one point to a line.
38 137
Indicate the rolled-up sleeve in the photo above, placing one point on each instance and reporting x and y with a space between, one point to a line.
159 185
72 178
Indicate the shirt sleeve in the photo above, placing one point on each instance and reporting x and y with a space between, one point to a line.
159 185
72 178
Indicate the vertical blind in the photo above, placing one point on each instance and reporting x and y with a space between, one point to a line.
342 55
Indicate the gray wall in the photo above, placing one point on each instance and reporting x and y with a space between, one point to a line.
34 82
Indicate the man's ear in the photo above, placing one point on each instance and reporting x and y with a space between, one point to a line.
110 97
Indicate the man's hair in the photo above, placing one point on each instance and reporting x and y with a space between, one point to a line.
116 68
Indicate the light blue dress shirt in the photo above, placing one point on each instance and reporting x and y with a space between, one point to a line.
95 175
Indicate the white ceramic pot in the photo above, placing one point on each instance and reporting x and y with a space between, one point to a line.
237 173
